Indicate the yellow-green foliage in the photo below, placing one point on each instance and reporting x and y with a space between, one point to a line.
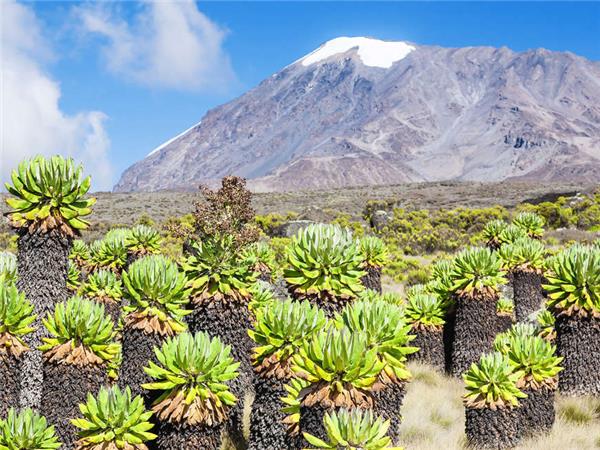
270 222
583 213
424 231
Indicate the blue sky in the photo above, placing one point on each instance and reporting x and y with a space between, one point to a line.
108 93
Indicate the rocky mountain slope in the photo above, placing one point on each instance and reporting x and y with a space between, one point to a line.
359 111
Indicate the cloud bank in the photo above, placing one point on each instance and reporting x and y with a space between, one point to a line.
31 120
166 44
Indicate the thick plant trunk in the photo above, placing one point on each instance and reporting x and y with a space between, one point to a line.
138 350
387 403
372 280
494 429
182 437
267 431
42 262
504 323
537 412
578 341
311 422
431 347
65 387
10 377
474 331
528 295
448 337
229 321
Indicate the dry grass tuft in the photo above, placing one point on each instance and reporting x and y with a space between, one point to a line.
433 417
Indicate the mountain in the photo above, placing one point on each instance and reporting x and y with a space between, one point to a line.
360 111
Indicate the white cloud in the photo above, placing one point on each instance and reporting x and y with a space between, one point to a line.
167 44
31 120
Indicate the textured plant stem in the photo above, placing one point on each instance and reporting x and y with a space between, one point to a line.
42 262
528 297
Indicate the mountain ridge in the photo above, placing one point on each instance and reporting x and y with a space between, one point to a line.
436 113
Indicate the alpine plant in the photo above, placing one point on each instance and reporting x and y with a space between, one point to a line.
191 379
531 224
324 265
112 251
16 319
525 259
505 308
340 369
8 267
476 278
26 430
80 254
113 419
156 291
511 234
48 208
220 279
278 333
352 429
492 397
262 296
388 332
503 340
73 277
264 257
426 315
545 323
48 194
491 233
77 351
103 286
573 288
535 360
374 255
142 240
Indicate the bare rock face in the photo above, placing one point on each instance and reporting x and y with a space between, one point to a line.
341 117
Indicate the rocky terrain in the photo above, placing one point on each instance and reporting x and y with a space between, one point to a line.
365 112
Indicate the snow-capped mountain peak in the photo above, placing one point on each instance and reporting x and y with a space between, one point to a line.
372 52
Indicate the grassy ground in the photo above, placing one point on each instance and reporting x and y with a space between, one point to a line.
433 417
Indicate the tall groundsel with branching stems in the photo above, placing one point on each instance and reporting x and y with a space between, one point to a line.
511 234
324 266
491 402
104 287
191 379
113 419
476 278
220 279
525 260
441 284
388 333
25 429
264 257
426 315
142 241
491 233
112 251
353 429
279 331
573 287
156 291
535 360
47 209
340 370
16 318
76 356
531 223
505 311
375 255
